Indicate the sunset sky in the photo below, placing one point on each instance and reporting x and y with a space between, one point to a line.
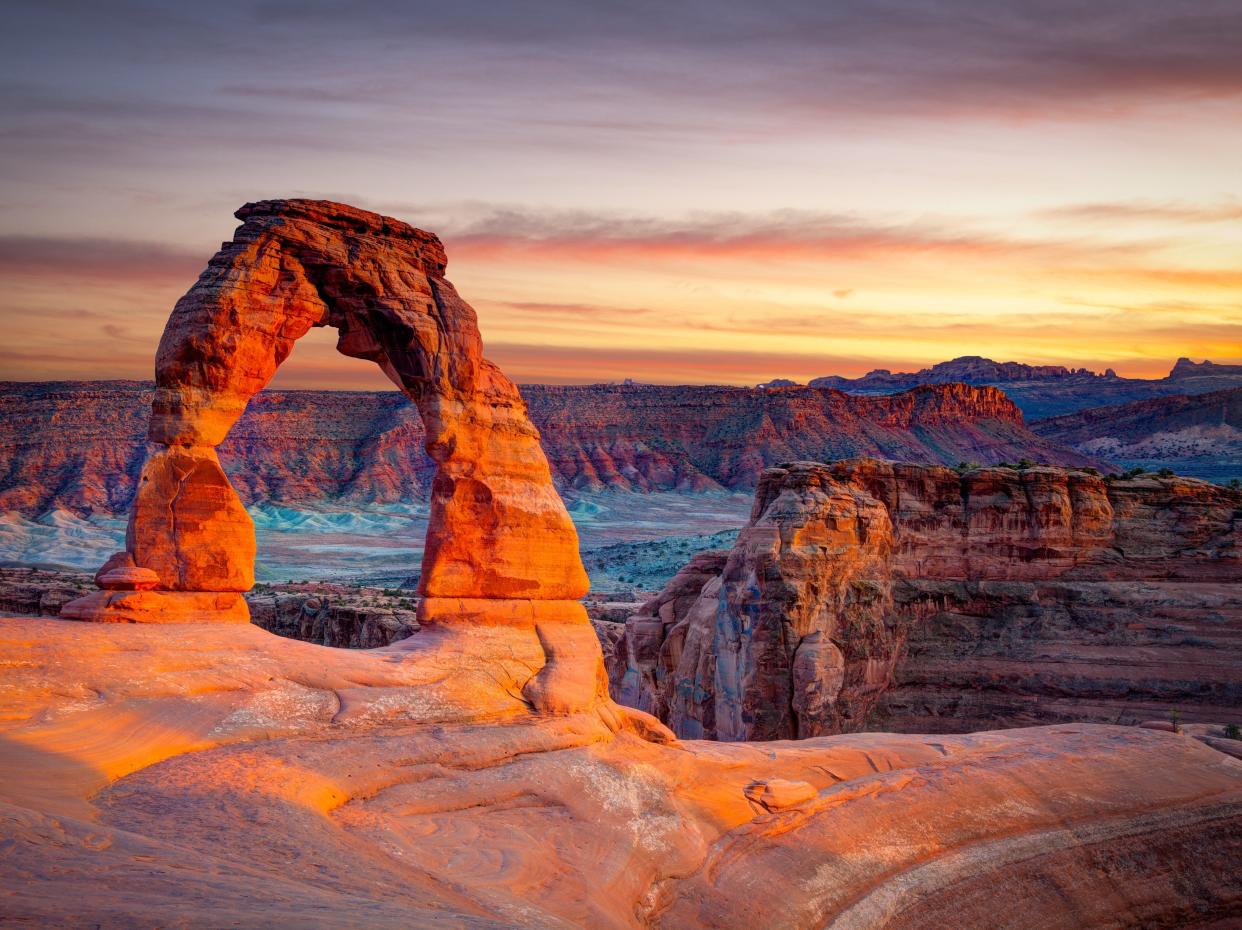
678 192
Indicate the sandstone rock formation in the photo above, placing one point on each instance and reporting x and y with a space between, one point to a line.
476 775
200 775
873 594
497 529
501 551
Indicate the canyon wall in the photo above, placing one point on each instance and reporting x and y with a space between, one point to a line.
868 594
80 445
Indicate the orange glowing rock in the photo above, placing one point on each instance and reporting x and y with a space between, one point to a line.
776 793
159 607
129 578
497 527
157 776
189 525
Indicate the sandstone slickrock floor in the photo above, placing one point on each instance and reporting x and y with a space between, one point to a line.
212 776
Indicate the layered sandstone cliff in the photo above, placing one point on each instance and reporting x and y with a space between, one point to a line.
867 594
80 446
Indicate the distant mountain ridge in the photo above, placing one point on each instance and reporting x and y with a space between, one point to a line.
967 369
80 445
1193 434
1047 390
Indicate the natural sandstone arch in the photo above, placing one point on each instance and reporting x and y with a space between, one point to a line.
498 529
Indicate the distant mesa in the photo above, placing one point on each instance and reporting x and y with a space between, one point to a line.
1185 368
1046 390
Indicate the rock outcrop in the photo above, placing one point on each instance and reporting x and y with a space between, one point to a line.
497 529
872 594
501 551
80 446
166 776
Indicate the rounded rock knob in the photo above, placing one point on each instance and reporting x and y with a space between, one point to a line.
129 578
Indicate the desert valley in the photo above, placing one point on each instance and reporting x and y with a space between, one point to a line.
726 752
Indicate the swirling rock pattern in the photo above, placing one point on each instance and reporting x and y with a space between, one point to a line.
205 775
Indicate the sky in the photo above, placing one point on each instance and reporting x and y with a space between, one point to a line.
682 192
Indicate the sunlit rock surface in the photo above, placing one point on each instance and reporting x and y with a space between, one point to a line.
497 527
203 776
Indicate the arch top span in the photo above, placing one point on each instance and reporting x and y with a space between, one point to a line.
497 530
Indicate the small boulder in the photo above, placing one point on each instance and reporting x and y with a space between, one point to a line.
115 561
777 793
128 578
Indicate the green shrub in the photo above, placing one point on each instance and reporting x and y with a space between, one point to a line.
1232 731
1175 717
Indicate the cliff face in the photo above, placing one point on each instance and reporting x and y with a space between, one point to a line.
905 596
80 445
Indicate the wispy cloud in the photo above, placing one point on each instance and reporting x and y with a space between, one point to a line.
1169 211
131 262
793 235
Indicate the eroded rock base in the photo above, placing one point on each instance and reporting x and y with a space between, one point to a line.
159 607
271 783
